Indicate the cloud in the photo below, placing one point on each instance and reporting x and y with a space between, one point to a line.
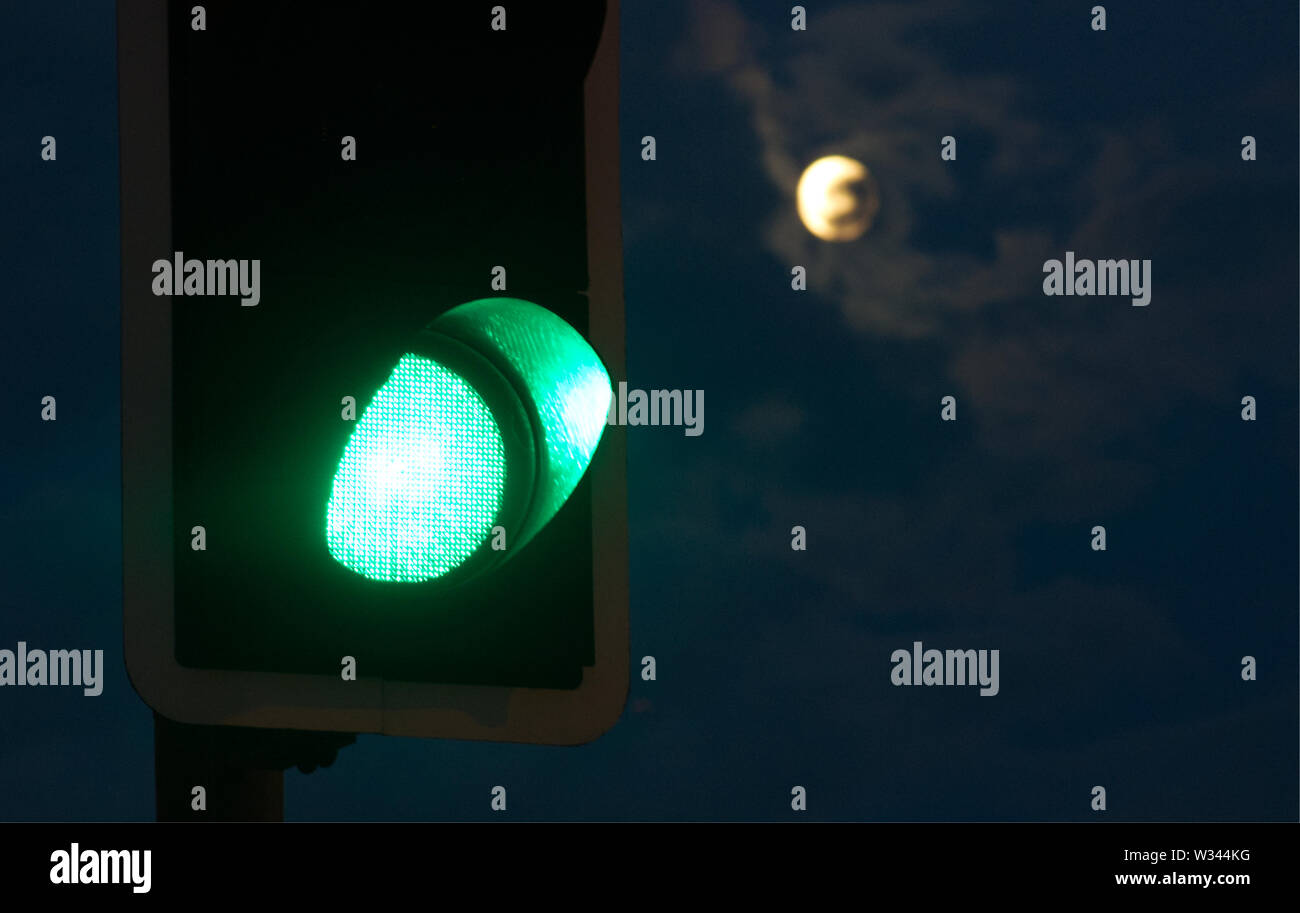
1040 375
887 101
1066 405
771 421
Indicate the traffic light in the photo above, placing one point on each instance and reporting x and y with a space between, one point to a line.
482 432
372 320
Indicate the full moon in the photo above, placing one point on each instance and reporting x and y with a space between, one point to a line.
837 198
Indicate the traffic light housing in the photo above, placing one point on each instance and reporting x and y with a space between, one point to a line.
396 462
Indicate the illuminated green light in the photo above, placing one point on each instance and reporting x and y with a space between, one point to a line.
491 420
421 478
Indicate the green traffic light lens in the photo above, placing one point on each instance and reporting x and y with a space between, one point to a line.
421 478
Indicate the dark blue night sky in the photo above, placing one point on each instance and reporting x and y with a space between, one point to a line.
1119 668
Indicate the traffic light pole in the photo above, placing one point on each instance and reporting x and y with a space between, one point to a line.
232 773
201 773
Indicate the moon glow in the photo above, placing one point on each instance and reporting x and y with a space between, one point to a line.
837 198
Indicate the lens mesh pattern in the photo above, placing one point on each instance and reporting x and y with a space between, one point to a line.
421 478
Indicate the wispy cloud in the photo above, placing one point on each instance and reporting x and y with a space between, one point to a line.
855 84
